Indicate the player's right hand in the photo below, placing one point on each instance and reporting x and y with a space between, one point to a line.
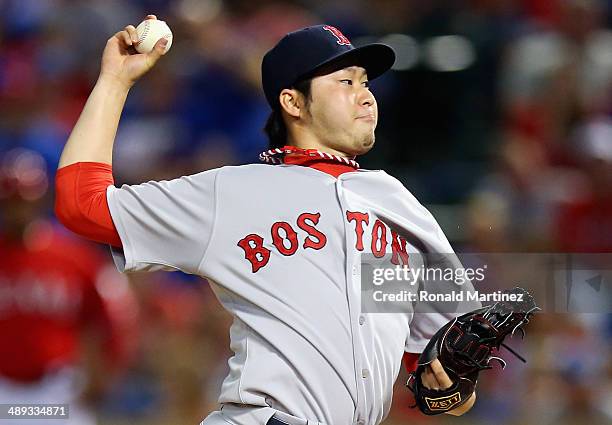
121 62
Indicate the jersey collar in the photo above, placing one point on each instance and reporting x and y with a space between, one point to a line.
333 165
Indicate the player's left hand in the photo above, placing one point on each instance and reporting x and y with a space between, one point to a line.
464 347
434 377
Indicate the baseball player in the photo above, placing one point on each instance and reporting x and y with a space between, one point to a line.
62 314
280 242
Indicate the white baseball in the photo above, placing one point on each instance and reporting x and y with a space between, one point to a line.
149 32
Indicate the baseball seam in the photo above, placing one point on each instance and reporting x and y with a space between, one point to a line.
145 32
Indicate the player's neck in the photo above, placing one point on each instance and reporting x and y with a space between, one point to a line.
307 140
334 165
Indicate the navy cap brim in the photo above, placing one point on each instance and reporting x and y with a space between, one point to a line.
376 58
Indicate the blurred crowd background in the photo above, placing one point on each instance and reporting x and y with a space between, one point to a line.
497 116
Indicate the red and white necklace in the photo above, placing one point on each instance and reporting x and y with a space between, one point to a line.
277 156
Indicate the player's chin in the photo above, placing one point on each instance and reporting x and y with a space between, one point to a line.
364 144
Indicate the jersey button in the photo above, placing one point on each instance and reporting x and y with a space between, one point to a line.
361 320
365 373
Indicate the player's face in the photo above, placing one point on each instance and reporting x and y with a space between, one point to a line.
342 113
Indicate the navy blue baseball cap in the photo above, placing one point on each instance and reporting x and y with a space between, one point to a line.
300 54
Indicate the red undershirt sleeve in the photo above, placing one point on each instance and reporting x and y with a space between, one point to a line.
81 204
410 361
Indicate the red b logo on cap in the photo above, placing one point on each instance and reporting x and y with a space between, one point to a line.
341 38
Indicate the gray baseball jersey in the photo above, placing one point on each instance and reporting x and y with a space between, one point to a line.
280 246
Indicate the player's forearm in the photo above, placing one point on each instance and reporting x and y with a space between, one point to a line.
93 136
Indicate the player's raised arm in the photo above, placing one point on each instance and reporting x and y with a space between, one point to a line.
93 135
85 171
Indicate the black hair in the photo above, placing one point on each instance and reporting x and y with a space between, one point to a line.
275 127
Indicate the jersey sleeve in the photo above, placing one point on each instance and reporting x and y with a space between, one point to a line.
164 225
429 317
422 328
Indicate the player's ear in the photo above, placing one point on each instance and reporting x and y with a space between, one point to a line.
290 101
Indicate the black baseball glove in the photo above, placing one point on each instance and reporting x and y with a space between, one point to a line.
465 346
